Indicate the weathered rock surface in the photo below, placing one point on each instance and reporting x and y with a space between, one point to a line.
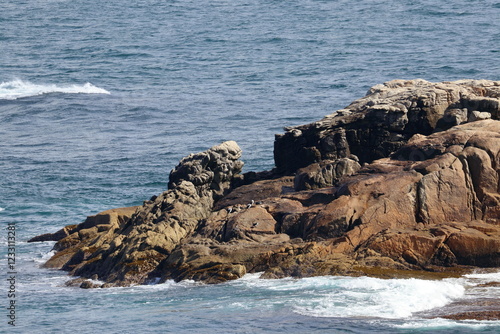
379 123
403 180
96 230
128 251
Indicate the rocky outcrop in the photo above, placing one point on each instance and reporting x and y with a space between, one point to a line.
325 173
127 251
405 179
73 241
381 122
395 213
56 236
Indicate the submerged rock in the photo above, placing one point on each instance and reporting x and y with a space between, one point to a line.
405 179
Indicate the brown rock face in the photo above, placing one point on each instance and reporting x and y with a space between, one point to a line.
129 252
99 228
404 179
326 173
378 124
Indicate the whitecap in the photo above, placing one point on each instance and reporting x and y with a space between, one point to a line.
16 89
346 297
2 209
372 297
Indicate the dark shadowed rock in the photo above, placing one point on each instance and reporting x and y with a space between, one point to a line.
379 123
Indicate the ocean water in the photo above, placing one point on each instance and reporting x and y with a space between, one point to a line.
99 100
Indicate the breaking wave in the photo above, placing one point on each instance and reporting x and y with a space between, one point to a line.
372 297
16 89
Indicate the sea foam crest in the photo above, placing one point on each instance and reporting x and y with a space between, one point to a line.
371 297
347 297
16 89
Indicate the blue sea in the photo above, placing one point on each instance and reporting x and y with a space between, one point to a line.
99 100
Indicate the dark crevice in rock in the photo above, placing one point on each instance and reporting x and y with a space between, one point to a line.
419 214
472 196
353 223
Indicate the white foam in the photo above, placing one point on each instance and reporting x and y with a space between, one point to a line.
348 297
16 89
364 296
2 209
47 256
489 277
440 323
249 277
167 285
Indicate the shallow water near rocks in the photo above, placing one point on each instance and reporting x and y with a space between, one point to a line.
100 100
